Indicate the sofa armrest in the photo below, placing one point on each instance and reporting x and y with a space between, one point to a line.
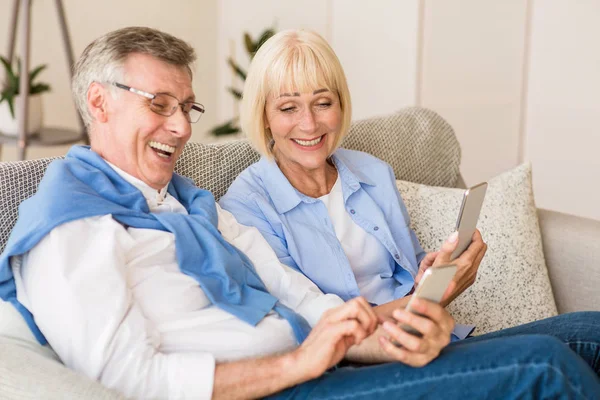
28 375
572 251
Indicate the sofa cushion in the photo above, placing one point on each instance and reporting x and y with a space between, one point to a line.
215 166
419 145
14 329
512 285
18 181
27 375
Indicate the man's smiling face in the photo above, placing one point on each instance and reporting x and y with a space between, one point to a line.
139 141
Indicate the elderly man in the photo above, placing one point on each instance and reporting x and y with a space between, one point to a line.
137 279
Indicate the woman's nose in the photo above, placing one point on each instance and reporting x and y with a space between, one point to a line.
307 121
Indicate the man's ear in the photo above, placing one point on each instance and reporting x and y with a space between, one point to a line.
97 96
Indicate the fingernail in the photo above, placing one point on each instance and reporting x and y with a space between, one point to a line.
453 237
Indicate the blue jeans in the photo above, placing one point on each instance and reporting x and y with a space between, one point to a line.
527 362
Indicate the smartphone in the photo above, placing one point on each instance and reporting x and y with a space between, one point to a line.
468 216
432 287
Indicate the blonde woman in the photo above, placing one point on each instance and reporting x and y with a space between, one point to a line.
335 214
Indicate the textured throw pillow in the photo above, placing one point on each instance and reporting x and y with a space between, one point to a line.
512 285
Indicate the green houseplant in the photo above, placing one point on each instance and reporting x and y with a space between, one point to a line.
10 93
230 127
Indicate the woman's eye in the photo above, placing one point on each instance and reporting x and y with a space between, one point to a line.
287 109
324 105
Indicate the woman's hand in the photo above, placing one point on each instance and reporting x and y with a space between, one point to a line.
468 264
434 323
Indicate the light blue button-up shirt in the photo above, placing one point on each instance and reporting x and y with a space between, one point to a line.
299 229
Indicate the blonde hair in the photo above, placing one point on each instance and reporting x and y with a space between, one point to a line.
291 61
103 59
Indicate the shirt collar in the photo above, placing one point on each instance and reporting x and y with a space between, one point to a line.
149 193
282 193
351 175
285 197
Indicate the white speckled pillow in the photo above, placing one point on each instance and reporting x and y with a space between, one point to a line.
512 285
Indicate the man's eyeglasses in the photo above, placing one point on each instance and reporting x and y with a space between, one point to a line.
165 104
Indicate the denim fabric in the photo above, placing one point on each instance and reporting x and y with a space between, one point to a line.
579 330
526 362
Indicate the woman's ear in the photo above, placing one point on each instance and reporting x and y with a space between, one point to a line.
96 102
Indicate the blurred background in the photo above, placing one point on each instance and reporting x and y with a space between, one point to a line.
518 80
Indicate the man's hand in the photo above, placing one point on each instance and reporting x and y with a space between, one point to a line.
468 264
436 325
337 330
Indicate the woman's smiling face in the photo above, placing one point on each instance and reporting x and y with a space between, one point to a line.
304 127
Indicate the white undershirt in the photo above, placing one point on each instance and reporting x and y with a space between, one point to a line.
114 305
364 252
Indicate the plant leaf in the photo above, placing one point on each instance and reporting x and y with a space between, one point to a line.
249 43
236 93
266 35
11 106
227 128
237 69
35 72
10 74
39 88
6 65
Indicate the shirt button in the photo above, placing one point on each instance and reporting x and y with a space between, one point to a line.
376 228
352 211
397 256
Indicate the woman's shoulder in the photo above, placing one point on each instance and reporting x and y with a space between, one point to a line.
359 161
247 183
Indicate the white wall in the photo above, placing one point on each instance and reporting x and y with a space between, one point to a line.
563 105
473 55
376 43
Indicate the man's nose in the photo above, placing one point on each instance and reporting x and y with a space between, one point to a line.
178 124
308 122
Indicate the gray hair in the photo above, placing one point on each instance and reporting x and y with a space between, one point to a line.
103 59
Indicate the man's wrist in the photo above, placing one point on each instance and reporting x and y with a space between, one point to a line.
292 362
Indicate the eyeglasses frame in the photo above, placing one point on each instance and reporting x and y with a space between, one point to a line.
196 106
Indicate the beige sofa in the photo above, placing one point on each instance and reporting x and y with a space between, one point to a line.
420 146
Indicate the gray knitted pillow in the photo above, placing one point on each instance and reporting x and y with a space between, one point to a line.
512 285
419 145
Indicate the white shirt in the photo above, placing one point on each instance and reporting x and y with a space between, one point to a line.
364 252
113 304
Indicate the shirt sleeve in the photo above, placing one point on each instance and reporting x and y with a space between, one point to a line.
75 284
292 288
249 213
